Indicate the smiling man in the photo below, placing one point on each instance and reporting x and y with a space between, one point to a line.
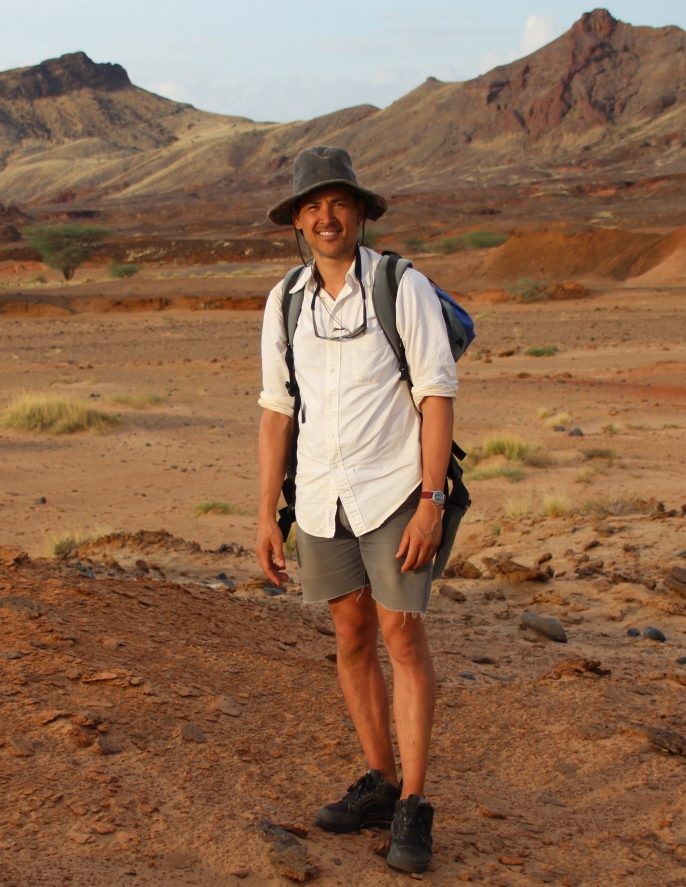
371 463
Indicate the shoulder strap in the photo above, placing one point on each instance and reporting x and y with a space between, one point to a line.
291 305
389 272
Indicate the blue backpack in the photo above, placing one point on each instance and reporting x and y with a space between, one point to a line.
460 329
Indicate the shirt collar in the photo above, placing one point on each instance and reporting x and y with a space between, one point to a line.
306 277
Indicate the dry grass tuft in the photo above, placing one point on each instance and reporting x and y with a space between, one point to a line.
515 509
59 415
217 508
609 507
138 401
556 505
513 448
489 472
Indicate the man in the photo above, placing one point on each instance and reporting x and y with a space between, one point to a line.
371 464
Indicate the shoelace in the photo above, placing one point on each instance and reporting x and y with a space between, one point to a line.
364 784
408 815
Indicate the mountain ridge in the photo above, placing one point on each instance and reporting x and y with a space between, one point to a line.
604 95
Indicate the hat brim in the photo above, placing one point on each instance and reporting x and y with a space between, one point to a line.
375 204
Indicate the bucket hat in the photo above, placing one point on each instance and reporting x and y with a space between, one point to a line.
320 166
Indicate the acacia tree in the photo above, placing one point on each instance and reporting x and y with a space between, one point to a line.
65 247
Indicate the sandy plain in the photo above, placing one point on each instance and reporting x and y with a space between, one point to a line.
155 717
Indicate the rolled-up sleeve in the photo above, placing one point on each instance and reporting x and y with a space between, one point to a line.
274 395
421 326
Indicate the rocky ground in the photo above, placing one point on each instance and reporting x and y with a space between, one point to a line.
168 720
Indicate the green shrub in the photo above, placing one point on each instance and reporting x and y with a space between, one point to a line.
526 289
545 351
65 247
470 240
124 269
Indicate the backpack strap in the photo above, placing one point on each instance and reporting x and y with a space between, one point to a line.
291 305
389 272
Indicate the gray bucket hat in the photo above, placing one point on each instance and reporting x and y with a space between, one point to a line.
320 166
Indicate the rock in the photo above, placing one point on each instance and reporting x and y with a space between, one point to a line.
41 500
272 590
681 553
515 573
467 675
545 625
180 860
579 667
663 740
22 605
675 580
85 570
13 654
192 733
105 745
20 747
681 660
576 432
633 632
510 859
228 707
112 643
229 583
544 558
654 634
461 569
482 660
452 593
287 855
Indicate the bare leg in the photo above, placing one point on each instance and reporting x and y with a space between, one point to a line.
359 672
414 693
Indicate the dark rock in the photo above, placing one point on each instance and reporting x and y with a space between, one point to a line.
559 428
576 432
272 590
22 605
482 660
41 500
633 632
452 593
654 634
192 733
224 579
13 654
467 675
681 660
545 625
681 553
228 707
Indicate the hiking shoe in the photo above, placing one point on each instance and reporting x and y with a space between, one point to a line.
411 835
369 801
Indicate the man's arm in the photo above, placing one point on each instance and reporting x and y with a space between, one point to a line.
422 535
273 450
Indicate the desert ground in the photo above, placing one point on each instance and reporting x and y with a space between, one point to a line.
169 720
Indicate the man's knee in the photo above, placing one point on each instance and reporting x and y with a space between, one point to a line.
405 639
356 625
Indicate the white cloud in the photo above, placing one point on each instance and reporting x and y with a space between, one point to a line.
538 30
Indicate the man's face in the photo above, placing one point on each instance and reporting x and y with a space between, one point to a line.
329 219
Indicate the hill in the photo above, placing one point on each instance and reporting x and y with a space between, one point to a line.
606 96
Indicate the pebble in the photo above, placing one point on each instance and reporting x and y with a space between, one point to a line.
272 591
576 432
467 675
633 632
192 733
681 660
41 500
654 634
229 583
13 654
681 553
545 625
228 707
452 593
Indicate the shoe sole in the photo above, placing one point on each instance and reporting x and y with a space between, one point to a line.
343 828
404 862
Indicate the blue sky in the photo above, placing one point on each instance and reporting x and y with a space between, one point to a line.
295 59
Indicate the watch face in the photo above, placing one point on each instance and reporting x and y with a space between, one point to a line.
438 497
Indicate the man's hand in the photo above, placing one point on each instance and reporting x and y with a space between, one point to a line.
422 536
270 552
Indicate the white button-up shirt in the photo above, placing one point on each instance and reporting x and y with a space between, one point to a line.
359 438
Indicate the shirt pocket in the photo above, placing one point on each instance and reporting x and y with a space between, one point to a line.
372 354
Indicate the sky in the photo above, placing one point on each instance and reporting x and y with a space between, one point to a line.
285 60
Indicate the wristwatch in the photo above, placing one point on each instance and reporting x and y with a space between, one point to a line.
436 496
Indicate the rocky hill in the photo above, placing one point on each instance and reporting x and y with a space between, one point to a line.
604 96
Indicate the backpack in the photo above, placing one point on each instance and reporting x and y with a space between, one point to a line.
460 330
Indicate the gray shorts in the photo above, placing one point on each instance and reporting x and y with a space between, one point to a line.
330 568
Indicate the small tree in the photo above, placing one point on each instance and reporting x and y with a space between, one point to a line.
65 247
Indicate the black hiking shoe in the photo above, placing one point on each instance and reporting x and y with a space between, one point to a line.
411 835
368 802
